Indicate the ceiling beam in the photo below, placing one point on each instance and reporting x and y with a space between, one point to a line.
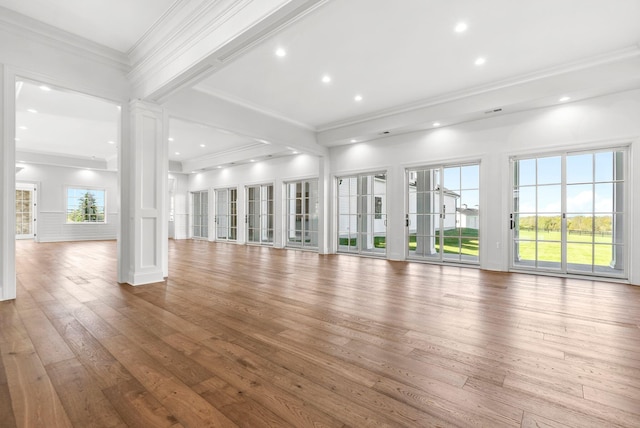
205 39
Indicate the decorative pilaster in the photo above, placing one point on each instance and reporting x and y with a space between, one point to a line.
143 185
7 184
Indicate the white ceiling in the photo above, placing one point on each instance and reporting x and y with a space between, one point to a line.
118 24
65 123
396 55
187 139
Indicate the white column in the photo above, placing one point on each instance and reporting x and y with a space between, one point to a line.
144 166
396 210
325 206
7 185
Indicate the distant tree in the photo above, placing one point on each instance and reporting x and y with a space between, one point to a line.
527 223
603 224
87 209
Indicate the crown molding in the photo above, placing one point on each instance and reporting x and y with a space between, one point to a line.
57 159
586 63
158 26
29 28
156 50
198 37
233 157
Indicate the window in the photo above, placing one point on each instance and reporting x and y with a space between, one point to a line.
259 218
226 214
25 212
302 214
443 217
569 213
85 205
200 215
362 218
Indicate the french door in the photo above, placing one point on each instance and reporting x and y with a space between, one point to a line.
362 214
226 214
569 213
443 216
259 218
302 214
25 211
200 214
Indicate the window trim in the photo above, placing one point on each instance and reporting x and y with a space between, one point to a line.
627 207
86 188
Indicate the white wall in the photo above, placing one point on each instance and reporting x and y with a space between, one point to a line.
598 122
66 60
277 171
51 208
180 193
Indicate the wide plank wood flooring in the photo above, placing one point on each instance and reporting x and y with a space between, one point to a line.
251 337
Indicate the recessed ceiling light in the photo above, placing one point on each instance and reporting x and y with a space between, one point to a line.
24 128
170 138
460 27
295 152
32 110
358 98
326 78
111 142
194 172
353 140
219 166
45 88
252 160
436 124
177 153
480 61
564 99
281 52
203 145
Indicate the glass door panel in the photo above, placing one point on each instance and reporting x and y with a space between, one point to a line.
25 212
348 214
222 218
362 214
569 213
537 201
226 214
302 214
200 216
259 219
443 213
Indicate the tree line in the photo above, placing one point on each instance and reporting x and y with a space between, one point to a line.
589 224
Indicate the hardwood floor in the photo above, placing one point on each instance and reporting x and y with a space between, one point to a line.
250 336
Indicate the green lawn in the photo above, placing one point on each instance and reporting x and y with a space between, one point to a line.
578 249
378 242
463 241
452 241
